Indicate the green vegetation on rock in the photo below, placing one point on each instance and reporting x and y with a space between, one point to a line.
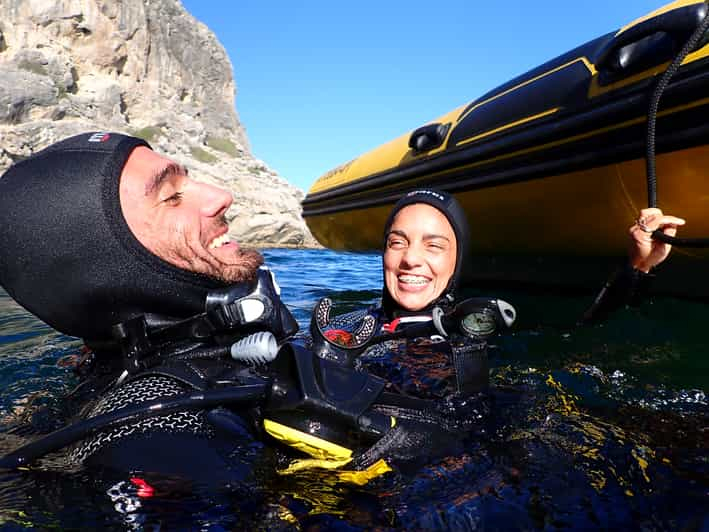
223 145
202 155
148 133
258 170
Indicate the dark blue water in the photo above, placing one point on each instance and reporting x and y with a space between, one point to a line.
602 427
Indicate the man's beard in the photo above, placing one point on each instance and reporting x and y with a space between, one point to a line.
245 270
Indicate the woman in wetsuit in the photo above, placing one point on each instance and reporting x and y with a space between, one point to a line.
432 369
425 241
426 343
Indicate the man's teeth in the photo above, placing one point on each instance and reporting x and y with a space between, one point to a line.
412 279
219 241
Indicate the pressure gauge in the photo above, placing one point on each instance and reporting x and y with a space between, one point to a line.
481 323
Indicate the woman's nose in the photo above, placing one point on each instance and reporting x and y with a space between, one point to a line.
411 256
214 200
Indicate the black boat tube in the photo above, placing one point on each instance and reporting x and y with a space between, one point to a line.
651 129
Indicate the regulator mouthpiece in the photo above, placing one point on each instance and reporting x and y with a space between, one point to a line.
258 348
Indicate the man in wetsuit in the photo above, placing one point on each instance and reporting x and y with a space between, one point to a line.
99 231
98 228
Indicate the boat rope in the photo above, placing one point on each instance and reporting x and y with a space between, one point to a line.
651 129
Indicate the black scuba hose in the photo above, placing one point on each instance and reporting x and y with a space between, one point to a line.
651 129
251 393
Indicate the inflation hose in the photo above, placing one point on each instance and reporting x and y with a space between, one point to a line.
246 394
651 130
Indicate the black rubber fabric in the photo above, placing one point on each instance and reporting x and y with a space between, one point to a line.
68 255
626 286
415 438
214 446
136 392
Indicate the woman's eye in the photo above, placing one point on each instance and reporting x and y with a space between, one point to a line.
396 244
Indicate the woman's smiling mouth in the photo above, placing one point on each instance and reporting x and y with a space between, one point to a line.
413 280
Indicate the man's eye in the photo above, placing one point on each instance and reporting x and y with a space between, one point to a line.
174 199
396 244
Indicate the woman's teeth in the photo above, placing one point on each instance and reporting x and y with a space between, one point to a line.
219 241
412 279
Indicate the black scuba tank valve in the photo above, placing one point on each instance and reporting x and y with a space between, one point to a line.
257 348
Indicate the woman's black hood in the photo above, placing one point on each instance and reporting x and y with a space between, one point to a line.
454 213
66 252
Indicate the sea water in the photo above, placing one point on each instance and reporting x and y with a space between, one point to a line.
593 427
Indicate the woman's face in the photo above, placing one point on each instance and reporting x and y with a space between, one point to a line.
419 258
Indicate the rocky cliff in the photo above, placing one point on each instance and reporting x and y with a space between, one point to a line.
148 68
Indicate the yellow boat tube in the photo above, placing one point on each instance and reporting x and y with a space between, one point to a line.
550 166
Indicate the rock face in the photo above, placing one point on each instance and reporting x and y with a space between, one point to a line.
147 68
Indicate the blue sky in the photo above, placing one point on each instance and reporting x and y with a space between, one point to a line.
320 82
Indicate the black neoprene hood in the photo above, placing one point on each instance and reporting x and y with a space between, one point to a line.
66 252
454 213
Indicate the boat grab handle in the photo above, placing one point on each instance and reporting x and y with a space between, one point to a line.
674 26
428 137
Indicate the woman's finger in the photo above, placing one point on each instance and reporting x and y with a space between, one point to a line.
669 220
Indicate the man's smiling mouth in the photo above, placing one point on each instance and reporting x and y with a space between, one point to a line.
219 241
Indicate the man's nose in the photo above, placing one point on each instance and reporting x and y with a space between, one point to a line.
214 200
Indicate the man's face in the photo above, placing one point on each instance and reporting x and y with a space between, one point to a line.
180 220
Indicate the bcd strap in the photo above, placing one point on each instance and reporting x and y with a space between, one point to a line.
132 336
471 368
200 374
231 312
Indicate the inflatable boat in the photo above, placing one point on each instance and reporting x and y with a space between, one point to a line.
551 166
